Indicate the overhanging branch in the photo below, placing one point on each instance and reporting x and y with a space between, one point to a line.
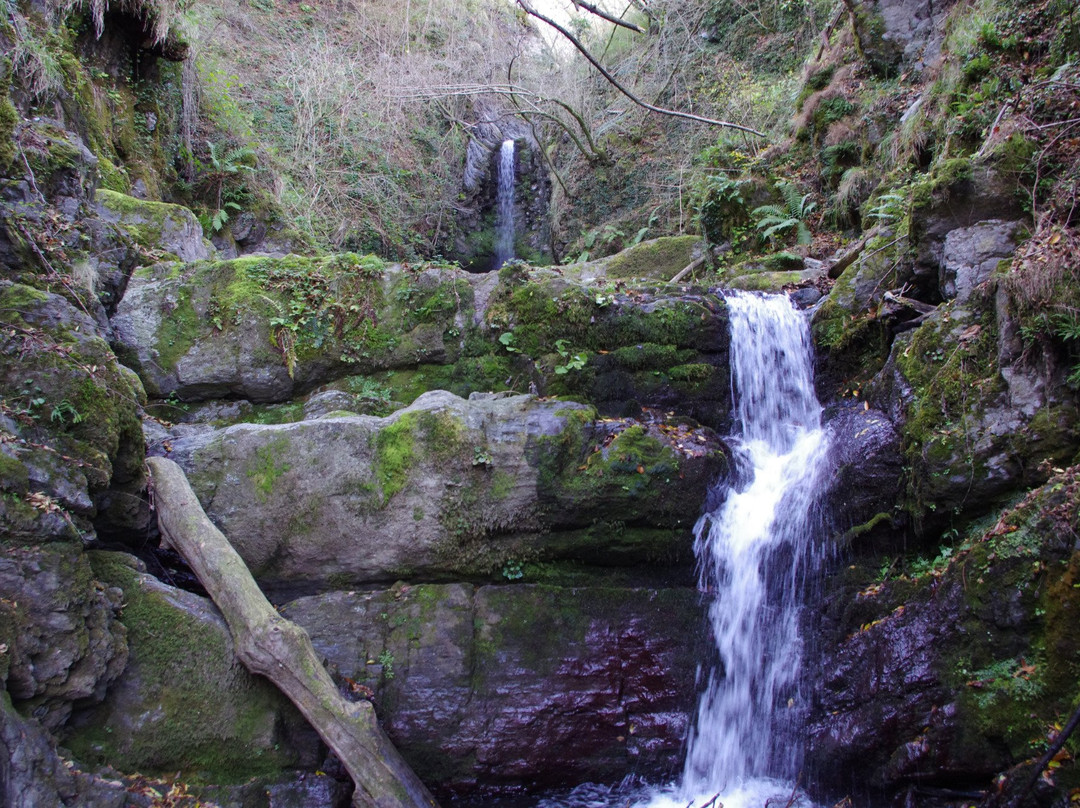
599 12
614 82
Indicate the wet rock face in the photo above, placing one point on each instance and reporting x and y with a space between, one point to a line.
500 685
867 466
943 673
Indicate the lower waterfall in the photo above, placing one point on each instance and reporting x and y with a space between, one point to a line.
755 551
757 555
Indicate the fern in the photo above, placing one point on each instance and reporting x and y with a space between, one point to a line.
775 221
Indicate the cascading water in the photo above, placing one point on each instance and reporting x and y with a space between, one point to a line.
504 205
756 554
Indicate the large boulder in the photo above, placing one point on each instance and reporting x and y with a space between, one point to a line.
184 702
449 486
158 227
500 685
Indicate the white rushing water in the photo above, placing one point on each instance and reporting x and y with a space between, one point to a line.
755 550
756 553
504 205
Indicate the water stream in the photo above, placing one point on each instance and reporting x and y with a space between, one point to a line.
756 554
504 205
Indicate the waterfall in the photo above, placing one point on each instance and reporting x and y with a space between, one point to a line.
504 205
754 551
756 556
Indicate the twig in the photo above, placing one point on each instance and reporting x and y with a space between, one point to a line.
682 273
1058 744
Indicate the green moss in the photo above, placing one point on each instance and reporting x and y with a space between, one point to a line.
765 281
611 542
144 220
502 484
268 466
783 261
179 331
204 714
14 475
650 356
9 117
630 478
944 179
17 297
692 376
659 258
112 178
394 454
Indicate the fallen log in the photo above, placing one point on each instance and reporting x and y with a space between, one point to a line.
269 645
682 273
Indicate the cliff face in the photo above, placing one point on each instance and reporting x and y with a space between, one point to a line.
505 567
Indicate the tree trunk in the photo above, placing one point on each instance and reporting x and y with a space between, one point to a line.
268 644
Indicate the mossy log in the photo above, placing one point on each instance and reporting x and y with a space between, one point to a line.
268 644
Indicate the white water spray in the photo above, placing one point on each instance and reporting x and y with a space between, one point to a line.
504 205
755 551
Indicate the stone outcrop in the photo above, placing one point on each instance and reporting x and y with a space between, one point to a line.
449 485
269 329
63 642
73 411
944 673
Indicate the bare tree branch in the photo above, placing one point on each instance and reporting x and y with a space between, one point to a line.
618 86
599 12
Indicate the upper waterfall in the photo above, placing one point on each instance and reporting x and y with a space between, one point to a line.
504 210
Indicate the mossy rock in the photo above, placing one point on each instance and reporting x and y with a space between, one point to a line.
184 703
72 396
169 231
659 258
773 282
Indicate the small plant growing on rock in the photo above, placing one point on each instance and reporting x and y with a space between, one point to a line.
571 361
386 659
